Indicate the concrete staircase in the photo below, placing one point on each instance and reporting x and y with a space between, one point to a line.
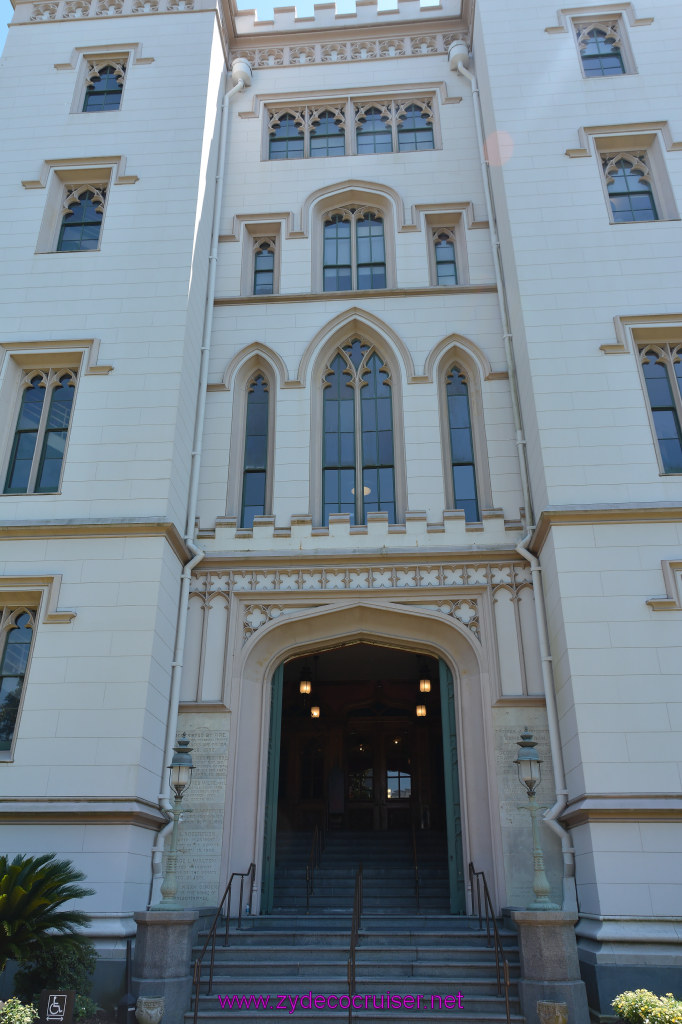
441 958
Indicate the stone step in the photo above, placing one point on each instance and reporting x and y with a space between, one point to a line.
366 1016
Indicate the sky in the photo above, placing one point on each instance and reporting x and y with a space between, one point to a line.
5 16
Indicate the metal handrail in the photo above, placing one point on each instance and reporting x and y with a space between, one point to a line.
501 962
227 896
416 863
316 847
354 931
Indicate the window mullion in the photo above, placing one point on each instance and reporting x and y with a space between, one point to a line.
40 440
354 251
394 128
358 453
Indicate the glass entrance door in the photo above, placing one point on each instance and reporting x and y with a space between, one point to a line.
378 774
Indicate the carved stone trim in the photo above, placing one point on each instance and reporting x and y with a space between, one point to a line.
396 576
95 67
610 28
638 161
342 51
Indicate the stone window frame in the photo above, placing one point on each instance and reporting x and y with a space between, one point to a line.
52 378
455 355
11 608
349 332
252 368
645 149
371 202
613 25
89 65
24 359
347 109
63 187
453 224
38 595
669 353
255 234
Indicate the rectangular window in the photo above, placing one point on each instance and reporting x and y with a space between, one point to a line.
634 176
341 127
602 49
39 443
661 366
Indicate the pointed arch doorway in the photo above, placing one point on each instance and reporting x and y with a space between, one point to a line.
365 761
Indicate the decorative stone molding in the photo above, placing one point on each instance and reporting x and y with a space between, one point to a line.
27 590
257 615
382 577
672 577
610 28
638 161
74 196
66 10
606 12
378 48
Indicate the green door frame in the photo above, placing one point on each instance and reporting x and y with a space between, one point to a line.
271 792
453 818
450 771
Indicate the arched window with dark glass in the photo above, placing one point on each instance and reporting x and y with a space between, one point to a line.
286 139
16 635
415 131
327 135
662 369
628 182
255 472
82 220
39 444
461 444
600 50
354 251
264 267
444 256
373 131
358 465
104 87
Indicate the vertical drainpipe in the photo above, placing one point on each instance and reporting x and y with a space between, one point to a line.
241 76
458 59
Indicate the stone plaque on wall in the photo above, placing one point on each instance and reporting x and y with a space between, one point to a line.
200 838
517 841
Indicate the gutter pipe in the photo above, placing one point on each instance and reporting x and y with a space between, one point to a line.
458 59
241 75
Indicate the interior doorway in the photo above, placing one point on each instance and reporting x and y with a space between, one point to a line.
363 739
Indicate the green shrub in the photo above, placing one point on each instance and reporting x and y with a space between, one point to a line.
57 965
643 1007
84 1008
14 1012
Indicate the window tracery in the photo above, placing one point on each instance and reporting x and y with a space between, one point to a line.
104 85
358 463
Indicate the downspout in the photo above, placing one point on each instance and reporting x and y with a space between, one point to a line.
458 58
241 75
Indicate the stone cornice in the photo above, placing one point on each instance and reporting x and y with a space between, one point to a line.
376 293
600 514
49 810
86 528
623 807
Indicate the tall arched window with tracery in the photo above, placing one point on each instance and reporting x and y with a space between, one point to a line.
358 464
255 470
462 463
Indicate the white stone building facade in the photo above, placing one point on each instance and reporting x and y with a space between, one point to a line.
478 240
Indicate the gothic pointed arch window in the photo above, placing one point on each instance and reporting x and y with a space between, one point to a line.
662 372
17 627
254 500
42 427
463 488
358 461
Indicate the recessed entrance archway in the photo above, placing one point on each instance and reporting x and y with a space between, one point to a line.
397 626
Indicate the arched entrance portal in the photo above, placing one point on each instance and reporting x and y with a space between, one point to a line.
366 742
257 669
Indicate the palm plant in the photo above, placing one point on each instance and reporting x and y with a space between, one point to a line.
32 889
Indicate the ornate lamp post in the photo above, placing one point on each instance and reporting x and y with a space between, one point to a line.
528 765
180 768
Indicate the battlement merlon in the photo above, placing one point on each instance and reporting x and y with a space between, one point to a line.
334 16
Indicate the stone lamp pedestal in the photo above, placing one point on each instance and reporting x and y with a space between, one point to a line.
550 972
162 963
